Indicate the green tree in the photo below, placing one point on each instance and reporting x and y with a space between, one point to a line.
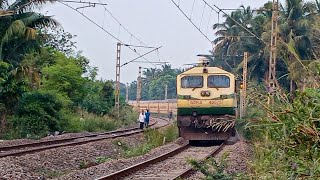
64 77
18 36
37 113
99 99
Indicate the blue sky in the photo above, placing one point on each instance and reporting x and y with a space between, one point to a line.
154 22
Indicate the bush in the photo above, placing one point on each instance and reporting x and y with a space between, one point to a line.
154 138
94 125
288 143
37 113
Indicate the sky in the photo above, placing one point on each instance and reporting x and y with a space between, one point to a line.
154 22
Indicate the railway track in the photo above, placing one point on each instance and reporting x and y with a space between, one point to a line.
26 148
171 165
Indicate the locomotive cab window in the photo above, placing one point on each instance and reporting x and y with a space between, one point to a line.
218 81
192 82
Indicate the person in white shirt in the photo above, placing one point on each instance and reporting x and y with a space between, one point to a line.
141 119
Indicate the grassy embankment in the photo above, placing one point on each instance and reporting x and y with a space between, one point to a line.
73 124
152 138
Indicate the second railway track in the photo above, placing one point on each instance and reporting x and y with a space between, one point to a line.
171 165
26 148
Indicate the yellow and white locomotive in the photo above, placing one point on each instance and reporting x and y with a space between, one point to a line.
206 103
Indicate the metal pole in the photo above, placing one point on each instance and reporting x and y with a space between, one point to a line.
127 93
117 93
139 89
243 92
273 51
166 92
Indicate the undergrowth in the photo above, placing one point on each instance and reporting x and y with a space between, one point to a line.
152 139
285 137
72 122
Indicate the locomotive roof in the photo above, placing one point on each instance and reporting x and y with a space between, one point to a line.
211 70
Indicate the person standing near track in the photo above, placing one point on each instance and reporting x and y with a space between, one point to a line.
141 119
147 118
170 116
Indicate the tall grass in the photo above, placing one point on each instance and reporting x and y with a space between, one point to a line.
152 138
93 123
73 123
285 137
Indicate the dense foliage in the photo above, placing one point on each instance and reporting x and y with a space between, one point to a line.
298 43
154 82
37 113
285 137
45 86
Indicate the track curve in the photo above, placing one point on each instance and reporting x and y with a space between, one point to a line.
26 148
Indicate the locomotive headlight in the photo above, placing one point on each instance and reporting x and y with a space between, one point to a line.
207 93
203 93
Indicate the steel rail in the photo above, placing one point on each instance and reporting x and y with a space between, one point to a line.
136 167
112 135
191 171
62 140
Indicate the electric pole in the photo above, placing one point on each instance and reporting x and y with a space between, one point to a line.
117 93
139 84
243 92
273 51
166 92
127 93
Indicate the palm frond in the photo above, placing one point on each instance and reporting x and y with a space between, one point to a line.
21 6
219 26
38 20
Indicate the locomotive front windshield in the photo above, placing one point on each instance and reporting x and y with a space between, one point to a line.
192 82
218 81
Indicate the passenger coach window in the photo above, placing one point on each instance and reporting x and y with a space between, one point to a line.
218 81
192 82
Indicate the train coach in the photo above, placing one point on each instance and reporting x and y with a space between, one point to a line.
157 106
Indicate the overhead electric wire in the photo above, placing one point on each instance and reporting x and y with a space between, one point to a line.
220 10
141 56
131 34
122 25
138 46
217 10
204 7
208 22
82 2
191 21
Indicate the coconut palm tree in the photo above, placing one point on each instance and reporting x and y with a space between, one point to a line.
18 31
19 26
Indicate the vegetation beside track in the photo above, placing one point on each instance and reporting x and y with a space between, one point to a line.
152 138
285 137
45 83
212 169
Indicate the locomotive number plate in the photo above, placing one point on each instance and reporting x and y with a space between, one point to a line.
195 102
215 102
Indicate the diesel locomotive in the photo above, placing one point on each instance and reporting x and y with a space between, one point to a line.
206 103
